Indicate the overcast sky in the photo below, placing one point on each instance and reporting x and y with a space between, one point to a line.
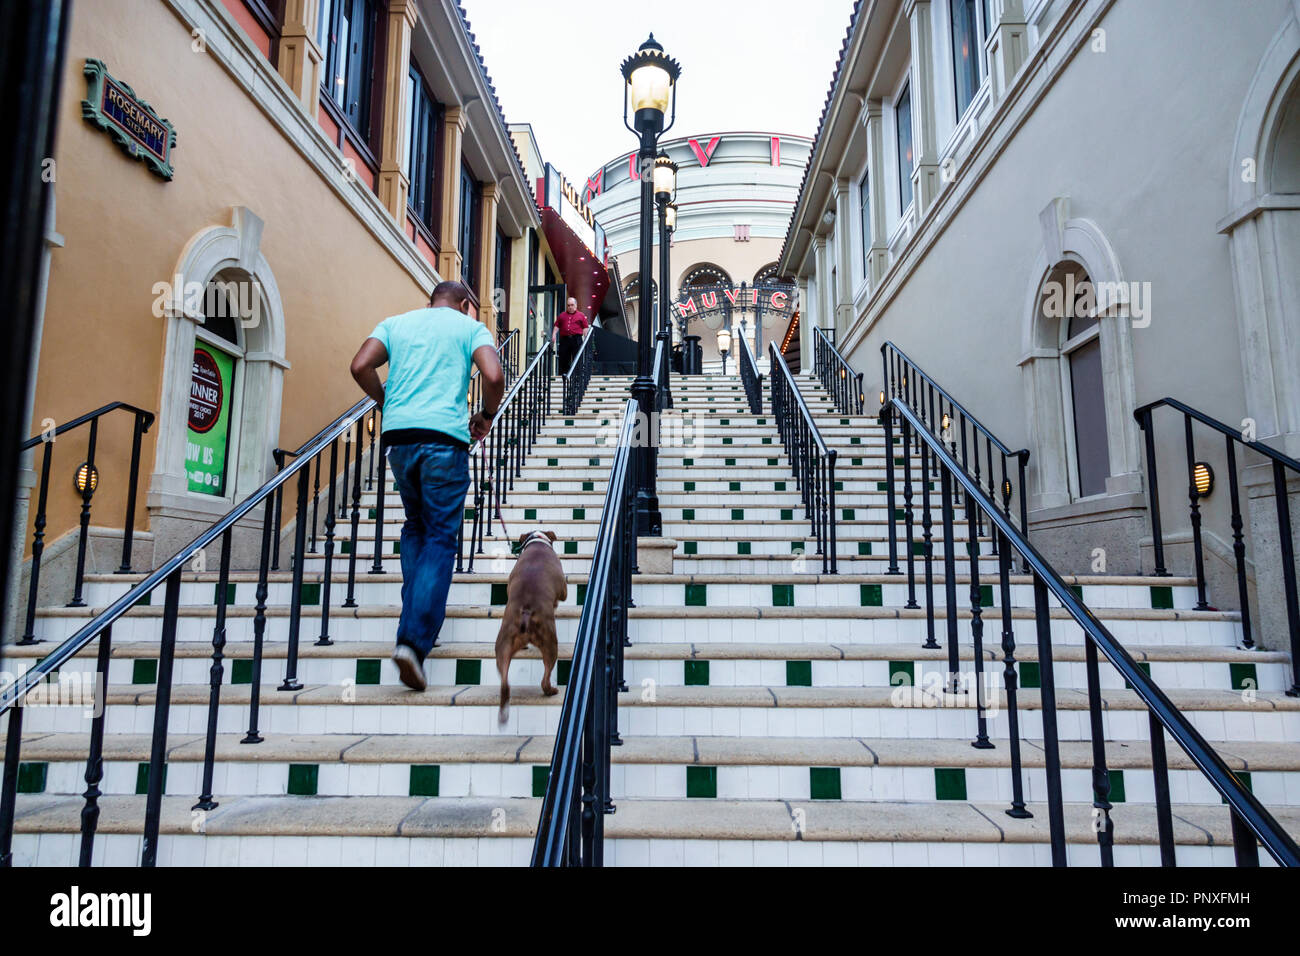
746 65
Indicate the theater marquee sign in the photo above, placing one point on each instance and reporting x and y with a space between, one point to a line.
113 106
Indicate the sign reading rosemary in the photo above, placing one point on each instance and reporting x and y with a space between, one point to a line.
134 125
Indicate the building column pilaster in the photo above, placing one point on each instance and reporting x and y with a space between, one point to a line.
1007 44
925 171
878 254
393 180
299 59
843 258
449 258
487 282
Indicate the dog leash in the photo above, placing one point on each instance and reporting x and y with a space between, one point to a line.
482 445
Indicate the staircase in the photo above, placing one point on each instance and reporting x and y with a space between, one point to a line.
775 715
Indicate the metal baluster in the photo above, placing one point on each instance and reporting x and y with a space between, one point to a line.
259 632
886 419
161 712
84 536
927 537
1244 845
38 548
1238 544
9 783
1009 680
1195 515
1286 542
908 514
1102 823
331 520
1051 744
278 454
1153 494
215 673
95 759
834 546
315 504
370 467
981 741
347 468
949 577
139 427
290 681
351 599
381 484
1160 769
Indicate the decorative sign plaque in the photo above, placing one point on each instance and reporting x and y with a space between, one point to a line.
134 125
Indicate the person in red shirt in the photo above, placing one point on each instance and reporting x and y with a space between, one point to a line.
567 333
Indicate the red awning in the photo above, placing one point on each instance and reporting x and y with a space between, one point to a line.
582 272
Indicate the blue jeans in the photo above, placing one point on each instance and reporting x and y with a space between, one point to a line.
432 480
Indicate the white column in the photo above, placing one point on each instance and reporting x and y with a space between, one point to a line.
878 254
1007 44
844 265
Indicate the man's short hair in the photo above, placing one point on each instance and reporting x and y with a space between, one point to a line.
449 293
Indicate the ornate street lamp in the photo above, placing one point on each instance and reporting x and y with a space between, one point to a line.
724 346
650 78
665 186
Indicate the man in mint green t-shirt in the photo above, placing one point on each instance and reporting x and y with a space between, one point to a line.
426 432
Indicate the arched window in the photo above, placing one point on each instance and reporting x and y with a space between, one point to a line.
1080 346
705 273
230 302
766 275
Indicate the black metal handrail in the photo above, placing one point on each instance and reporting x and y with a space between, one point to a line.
750 378
813 463
1250 820
497 459
508 353
570 831
663 366
950 422
87 481
578 376
836 375
1199 473
169 574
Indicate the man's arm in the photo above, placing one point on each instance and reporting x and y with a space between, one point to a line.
365 368
494 386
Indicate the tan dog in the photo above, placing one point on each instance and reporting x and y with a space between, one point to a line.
536 585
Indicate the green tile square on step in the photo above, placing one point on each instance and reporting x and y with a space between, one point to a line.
469 514
1243 677
552 462
540 776
688 514
778 486
579 514
561 441
902 673
839 486
771 462
855 440
726 421
688 462
882 486
543 486
568 421
530 514
570 547
1078 590
949 783
469 671
241 671
798 673
702 782
144 671
562 671
311 593
798 547
1162 597
849 513
870 595
737 514
581 596
824 783
372 513
230 589
697 595
1146 669
855 462
729 462
696 673
900 514
762 421
726 441
1116 786
690 547
588 486
864 548
142 778
424 780
918 548
688 486
733 486
303 779
1030 675
499 595
898 460
593 462
767 439
743 547
986 595
31 777
782 595
368 670
345 547
787 514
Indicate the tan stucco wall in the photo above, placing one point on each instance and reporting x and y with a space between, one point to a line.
125 229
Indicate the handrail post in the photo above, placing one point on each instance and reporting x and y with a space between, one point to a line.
161 712
1153 493
128 525
886 419
1288 573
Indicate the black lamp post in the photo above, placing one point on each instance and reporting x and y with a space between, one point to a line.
650 77
665 180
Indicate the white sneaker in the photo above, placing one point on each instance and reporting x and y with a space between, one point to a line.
409 667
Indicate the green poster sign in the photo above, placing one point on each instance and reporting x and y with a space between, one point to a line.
209 432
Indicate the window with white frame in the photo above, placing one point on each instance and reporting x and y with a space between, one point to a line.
903 135
864 219
969 26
